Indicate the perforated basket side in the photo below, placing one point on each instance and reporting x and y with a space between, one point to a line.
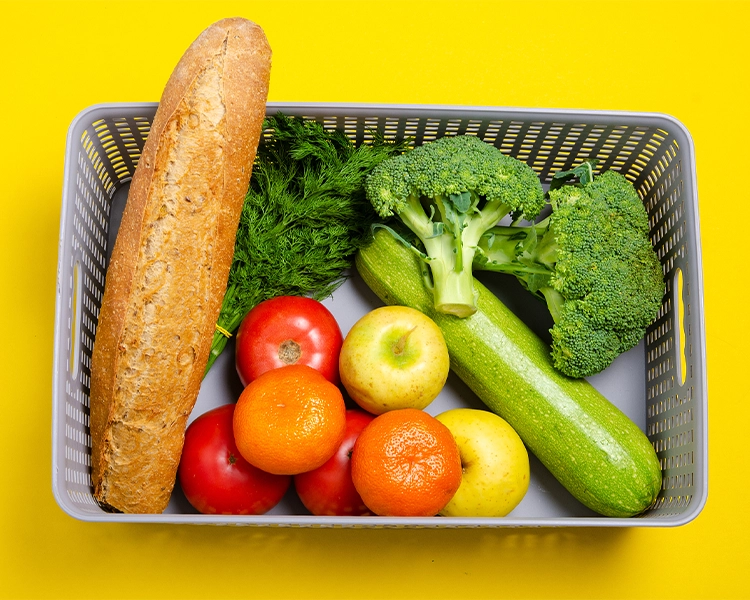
102 151
676 386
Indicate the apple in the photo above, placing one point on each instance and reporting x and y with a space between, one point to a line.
494 460
394 357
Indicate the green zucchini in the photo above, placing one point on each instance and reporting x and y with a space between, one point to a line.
593 449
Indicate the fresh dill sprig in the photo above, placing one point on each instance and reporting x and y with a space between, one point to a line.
304 217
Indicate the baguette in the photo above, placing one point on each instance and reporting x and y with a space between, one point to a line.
170 264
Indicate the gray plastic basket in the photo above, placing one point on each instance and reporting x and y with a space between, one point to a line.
660 384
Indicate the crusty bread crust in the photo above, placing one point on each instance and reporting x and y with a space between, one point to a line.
170 264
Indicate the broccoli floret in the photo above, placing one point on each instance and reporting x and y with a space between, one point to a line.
591 260
449 193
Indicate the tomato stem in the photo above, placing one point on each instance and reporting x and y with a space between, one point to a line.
289 352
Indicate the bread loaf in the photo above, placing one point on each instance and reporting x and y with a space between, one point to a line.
170 264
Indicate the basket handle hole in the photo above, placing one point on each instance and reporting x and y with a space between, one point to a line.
680 337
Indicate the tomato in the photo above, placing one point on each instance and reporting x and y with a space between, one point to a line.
288 330
328 490
216 479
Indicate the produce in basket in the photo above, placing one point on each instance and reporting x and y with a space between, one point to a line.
305 215
329 489
214 477
449 193
587 443
289 420
592 261
394 357
495 464
288 330
406 463
170 263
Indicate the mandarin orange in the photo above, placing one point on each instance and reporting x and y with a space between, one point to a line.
289 420
406 463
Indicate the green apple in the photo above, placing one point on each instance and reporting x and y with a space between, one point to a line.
494 460
394 357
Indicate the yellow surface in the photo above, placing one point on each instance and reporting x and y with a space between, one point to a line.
688 59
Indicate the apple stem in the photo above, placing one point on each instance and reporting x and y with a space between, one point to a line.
398 347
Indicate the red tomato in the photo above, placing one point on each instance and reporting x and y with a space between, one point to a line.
328 490
216 479
288 330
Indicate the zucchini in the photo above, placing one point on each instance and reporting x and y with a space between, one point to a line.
591 447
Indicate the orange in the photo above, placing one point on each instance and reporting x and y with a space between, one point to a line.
289 420
406 463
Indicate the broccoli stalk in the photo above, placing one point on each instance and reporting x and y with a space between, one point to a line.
592 261
449 193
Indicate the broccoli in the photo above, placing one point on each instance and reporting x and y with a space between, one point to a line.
448 193
591 260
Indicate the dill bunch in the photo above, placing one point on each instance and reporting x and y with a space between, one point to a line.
304 217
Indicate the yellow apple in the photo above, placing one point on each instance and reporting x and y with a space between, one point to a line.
394 357
494 460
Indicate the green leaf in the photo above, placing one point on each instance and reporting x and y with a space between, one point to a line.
461 202
530 240
402 240
535 282
583 172
438 228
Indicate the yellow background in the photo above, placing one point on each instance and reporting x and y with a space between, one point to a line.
688 59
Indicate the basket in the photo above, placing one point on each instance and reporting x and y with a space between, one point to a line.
660 384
